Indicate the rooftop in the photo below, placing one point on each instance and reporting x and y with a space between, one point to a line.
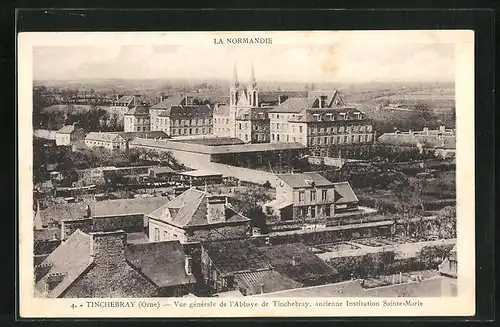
67 129
190 209
68 211
162 262
236 256
199 173
220 149
295 261
141 110
188 112
103 137
213 141
304 180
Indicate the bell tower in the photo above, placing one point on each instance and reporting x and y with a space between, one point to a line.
233 90
252 91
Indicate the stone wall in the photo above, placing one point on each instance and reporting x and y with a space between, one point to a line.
68 227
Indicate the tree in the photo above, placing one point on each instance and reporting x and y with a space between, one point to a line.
248 202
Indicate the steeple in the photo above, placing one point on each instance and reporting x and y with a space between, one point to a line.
235 75
253 82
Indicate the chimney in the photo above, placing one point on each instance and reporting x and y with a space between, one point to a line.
188 267
426 130
255 231
442 128
108 248
410 132
294 261
261 288
216 208
88 213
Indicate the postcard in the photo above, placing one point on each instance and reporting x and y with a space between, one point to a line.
246 174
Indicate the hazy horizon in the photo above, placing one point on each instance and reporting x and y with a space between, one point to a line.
347 62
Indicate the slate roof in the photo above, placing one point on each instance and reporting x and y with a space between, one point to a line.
71 258
103 137
125 100
273 96
265 281
67 211
307 264
173 100
344 193
236 256
250 255
67 129
294 105
162 262
138 111
190 209
188 112
301 180
221 110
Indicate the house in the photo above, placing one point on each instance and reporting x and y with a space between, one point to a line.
252 267
161 173
69 134
310 196
199 177
322 122
196 216
111 141
137 119
101 264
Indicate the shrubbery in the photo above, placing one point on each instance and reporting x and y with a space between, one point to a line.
372 265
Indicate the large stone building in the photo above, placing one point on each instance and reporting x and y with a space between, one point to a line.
242 118
179 115
122 105
322 122
137 119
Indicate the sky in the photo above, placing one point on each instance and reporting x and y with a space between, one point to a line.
338 62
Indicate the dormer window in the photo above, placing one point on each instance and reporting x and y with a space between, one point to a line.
342 115
329 116
316 117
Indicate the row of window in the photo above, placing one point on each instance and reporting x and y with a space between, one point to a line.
107 144
165 236
189 131
312 211
221 120
312 195
340 139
